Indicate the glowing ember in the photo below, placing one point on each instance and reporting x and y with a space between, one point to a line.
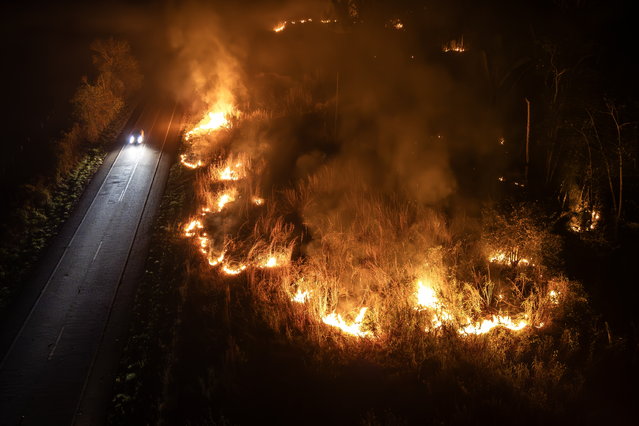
281 26
396 24
190 164
584 220
509 259
456 46
354 328
257 201
488 324
301 296
554 297
191 227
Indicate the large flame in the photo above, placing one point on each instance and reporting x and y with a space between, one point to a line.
212 121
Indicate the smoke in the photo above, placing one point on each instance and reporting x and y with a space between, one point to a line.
368 107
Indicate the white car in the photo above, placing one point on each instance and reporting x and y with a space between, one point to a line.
136 137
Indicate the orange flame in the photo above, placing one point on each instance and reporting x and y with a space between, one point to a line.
301 296
228 270
486 325
190 164
354 328
211 122
191 226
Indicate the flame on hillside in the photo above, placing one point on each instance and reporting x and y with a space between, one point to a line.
212 121
301 296
486 325
191 164
353 328
233 270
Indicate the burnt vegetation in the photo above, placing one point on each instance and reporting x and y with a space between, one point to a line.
394 213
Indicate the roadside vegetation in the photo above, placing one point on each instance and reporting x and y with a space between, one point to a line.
102 105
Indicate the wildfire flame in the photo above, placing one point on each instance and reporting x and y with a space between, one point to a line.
509 259
456 46
218 260
354 328
270 263
212 121
190 164
225 198
281 26
229 174
301 296
426 297
228 270
486 325
580 224
276 253
191 227
395 23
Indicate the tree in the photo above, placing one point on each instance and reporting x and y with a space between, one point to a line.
96 106
114 61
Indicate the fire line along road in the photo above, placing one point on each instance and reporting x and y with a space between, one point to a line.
61 343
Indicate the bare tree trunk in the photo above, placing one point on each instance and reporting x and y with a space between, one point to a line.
606 163
589 175
527 140
613 113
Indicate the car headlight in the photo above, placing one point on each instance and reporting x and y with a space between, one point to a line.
140 139
131 139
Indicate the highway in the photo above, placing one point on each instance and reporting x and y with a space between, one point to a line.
62 340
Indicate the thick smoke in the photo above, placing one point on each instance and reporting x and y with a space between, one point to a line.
375 105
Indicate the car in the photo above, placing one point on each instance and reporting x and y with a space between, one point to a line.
136 137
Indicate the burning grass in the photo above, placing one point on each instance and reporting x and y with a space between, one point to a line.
339 273
357 260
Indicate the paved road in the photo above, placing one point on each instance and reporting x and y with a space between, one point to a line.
58 367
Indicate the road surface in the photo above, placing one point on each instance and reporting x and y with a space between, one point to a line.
62 341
